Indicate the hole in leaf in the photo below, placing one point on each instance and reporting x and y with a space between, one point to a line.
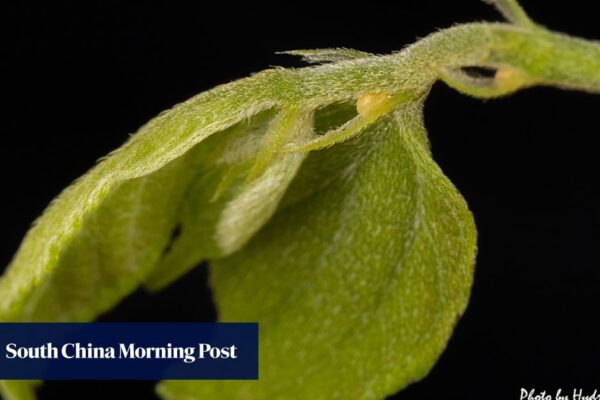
174 236
478 72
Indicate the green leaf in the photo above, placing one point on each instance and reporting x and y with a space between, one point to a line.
365 261
248 189
102 235
356 286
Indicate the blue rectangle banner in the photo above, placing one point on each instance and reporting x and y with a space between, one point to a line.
128 351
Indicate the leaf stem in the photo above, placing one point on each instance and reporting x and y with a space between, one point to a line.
513 12
524 57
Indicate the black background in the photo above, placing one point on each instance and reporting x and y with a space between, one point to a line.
78 77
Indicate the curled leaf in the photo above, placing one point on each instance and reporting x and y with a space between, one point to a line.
356 286
103 234
248 191
314 195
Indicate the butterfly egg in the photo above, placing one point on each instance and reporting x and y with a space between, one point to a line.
369 103
509 79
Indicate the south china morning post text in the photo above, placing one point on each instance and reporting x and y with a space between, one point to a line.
129 351
67 351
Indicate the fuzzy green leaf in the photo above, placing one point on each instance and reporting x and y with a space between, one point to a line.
365 261
356 286
234 194
103 234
